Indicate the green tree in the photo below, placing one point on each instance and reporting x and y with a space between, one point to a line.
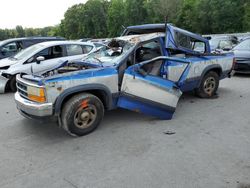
187 15
246 18
116 17
135 12
157 10
20 31
94 19
72 22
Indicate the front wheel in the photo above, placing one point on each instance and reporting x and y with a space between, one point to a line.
12 84
209 85
82 114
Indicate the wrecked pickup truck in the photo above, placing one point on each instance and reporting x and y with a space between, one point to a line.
143 73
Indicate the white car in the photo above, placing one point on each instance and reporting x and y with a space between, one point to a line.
39 58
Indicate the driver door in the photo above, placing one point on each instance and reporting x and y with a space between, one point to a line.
148 92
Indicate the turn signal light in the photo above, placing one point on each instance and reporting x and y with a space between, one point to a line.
36 94
35 98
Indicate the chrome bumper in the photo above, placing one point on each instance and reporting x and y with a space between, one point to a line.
3 82
32 109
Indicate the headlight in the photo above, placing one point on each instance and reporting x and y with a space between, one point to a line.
36 94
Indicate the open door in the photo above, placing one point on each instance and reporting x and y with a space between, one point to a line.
145 90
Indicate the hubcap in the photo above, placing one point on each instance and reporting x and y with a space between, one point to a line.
209 85
84 117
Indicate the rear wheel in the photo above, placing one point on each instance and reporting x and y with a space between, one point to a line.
82 114
209 85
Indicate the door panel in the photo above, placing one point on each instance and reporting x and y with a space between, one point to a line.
150 95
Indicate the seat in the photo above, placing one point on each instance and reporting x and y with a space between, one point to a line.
153 68
57 51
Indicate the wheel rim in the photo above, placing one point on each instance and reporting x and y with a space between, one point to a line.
84 117
209 85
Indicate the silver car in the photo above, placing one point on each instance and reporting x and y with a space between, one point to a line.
39 58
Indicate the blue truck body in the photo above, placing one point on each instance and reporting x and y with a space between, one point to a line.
143 73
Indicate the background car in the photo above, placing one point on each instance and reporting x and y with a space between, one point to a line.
39 58
84 40
12 46
225 43
242 56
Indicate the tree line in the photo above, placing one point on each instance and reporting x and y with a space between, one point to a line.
19 31
106 18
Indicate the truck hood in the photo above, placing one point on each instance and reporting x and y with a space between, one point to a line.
66 68
7 62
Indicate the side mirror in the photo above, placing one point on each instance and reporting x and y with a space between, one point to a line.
39 59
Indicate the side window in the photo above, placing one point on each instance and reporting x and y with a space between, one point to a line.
199 47
9 49
28 43
148 51
73 49
225 44
57 51
183 40
51 53
87 49
190 43
46 53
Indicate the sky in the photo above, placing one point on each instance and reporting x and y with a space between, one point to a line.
33 13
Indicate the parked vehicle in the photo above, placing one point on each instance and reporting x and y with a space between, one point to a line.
224 43
84 40
242 56
142 73
12 46
39 58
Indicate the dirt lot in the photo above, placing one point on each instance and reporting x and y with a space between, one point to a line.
206 145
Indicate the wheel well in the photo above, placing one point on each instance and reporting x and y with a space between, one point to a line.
98 93
217 70
7 86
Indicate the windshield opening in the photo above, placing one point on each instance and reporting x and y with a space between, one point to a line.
214 43
27 51
110 54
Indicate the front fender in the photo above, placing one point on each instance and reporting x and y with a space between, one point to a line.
83 88
3 83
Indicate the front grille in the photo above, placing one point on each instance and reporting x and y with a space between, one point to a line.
22 89
242 66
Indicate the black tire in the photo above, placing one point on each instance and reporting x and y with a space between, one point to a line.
12 84
82 114
209 85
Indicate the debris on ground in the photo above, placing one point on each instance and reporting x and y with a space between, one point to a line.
169 133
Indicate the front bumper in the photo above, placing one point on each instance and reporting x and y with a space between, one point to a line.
242 68
31 109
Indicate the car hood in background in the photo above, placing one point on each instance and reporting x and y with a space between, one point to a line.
7 62
241 54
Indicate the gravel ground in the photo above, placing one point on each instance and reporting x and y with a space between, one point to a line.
206 145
